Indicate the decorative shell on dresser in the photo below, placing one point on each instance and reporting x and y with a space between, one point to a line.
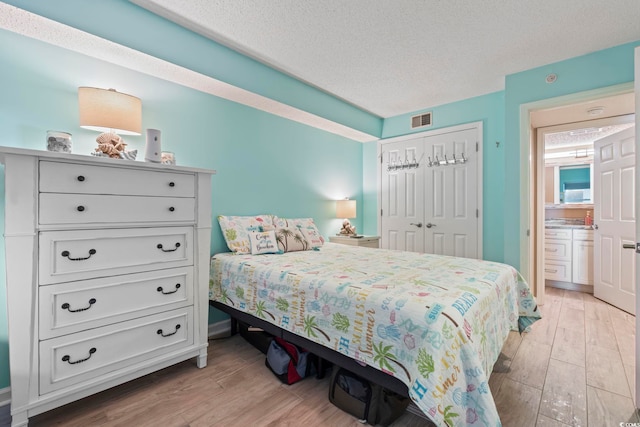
110 144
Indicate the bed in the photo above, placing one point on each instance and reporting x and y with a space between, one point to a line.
432 325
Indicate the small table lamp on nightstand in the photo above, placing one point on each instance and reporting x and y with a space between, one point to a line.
346 209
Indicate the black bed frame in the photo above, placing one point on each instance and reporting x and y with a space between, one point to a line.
374 375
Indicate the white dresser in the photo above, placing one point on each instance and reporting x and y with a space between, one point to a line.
107 265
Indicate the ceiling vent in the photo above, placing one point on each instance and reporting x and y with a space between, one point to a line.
421 120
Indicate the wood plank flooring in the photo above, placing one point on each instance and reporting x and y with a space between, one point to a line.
575 368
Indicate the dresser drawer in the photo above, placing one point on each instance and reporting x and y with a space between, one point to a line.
85 254
557 249
58 208
72 307
56 177
88 355
557 270
557 233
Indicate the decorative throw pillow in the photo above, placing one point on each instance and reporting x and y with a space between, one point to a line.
236 229
301 223
291 239
313 237
263 242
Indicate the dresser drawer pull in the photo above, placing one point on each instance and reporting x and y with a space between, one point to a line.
66 254
80 178
550 271
171 209
172 184
168 335
67 358
168 250
551 250
170 292
67 306
80 208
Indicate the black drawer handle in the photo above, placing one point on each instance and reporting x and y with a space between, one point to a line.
67 306
170 292
168 250
67 358
171 209
80 208
66 254
80 178
168 335
172 184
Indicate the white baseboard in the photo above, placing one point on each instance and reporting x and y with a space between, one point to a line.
221 329
5 396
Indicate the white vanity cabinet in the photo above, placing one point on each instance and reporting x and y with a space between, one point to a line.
568 255
107 266
582 257
557 254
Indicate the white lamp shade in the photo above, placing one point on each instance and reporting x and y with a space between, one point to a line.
346 209
107 110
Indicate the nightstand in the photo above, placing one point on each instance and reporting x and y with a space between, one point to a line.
365 241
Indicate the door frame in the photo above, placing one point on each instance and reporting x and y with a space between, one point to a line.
539 205
478 126
530 223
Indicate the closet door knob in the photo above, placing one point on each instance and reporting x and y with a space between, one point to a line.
419 225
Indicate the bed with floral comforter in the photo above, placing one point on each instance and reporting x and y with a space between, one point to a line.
437 323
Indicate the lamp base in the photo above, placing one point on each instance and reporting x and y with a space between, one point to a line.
347 229
110 144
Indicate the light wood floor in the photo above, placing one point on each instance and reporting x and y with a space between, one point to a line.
575 368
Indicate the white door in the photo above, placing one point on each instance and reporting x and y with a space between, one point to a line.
402 199
451 196
614 220
430 192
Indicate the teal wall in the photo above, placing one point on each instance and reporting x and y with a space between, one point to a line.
488 109
573 175
593 71
143 31
264 163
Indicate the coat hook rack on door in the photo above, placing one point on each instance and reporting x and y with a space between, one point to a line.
407 164
447 162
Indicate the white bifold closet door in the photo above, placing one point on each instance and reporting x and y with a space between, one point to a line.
430 193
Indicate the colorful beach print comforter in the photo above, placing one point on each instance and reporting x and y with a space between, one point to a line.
437 323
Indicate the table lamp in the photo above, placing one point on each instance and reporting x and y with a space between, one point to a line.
346 209
111 113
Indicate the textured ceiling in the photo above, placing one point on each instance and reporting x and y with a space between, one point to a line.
395 57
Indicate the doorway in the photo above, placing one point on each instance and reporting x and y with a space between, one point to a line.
568 201
602 103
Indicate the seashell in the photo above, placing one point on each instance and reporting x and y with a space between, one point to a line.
108 137
129 155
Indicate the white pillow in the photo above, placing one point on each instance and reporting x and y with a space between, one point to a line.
236 229
313 237
300 223
263 242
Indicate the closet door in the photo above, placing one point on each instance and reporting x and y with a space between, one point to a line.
451 194
402 195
